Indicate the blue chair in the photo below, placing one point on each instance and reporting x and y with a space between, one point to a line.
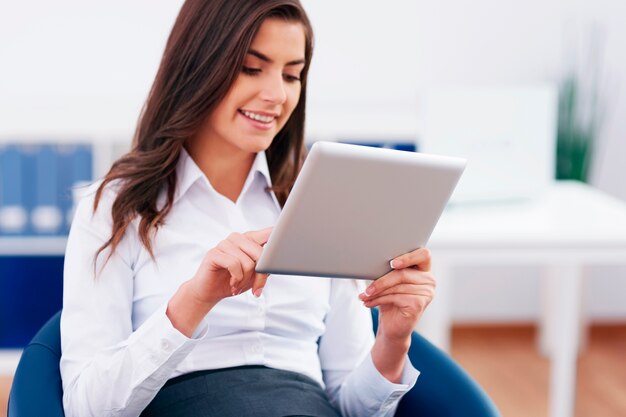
37 389
442 390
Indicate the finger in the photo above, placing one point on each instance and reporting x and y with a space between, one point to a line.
407 302
223 260
421 293
259 283
246 263
260 236
408 289
247 245
397 277
419 258
409 284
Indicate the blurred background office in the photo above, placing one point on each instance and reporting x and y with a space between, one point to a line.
528 91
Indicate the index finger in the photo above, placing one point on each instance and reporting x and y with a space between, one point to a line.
419 258
260 236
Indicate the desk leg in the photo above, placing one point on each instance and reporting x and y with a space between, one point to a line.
436 323
560 334
549 303
551 291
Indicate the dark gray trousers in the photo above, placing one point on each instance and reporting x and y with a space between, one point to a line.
254 391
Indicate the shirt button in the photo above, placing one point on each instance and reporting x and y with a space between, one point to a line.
165 345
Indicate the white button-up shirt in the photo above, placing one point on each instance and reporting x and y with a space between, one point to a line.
119 348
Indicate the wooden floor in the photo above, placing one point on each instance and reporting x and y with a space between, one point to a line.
5 386
505 362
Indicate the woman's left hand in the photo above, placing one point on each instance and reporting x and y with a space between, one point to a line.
402 295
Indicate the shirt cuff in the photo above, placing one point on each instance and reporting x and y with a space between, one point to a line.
379 389
166 346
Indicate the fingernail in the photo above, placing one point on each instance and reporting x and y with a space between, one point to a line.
391 264
369 290
257 292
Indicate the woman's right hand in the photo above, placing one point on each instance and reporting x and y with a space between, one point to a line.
228 268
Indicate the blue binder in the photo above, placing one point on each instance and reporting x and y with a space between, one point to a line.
46 216
408 145
29 181
12 207
363 143
405 146
75 169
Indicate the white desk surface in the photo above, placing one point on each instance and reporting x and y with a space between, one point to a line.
568 216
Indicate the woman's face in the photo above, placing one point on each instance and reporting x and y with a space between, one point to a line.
266 91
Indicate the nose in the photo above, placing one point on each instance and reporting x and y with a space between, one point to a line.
273 90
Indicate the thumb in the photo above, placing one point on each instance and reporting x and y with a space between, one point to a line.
259 283
260 236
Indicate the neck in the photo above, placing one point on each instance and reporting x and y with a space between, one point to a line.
226 167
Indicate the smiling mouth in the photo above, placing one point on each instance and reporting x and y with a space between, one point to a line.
258 117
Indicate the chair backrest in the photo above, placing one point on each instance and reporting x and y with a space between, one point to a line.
442 390
37 389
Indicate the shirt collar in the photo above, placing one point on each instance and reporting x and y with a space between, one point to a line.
260 165
188 172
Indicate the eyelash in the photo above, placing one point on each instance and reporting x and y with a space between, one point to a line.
256 71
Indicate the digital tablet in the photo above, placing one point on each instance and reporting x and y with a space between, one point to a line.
354 208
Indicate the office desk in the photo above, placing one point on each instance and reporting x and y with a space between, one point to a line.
570 226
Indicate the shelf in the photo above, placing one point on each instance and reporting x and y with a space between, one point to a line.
32 246
9 358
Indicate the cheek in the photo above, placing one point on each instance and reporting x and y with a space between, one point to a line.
293 97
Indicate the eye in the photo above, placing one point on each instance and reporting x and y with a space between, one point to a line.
291 78
250 70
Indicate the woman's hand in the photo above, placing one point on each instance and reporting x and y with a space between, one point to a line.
228 268
225 271
402 295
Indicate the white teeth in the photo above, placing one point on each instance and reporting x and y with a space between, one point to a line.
258 117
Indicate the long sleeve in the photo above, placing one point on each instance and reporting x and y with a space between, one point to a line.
353 384
107 367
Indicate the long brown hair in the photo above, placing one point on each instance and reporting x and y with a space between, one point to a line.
203 56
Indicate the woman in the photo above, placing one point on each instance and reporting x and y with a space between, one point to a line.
163 311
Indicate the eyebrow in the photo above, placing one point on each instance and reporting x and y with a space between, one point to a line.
265 58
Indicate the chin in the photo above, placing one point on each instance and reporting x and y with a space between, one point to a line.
258 145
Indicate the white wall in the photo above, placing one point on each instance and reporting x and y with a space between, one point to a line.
364 75
609 168
74 67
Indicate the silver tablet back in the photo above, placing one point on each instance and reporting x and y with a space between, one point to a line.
354 208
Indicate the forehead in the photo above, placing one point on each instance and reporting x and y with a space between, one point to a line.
279 38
